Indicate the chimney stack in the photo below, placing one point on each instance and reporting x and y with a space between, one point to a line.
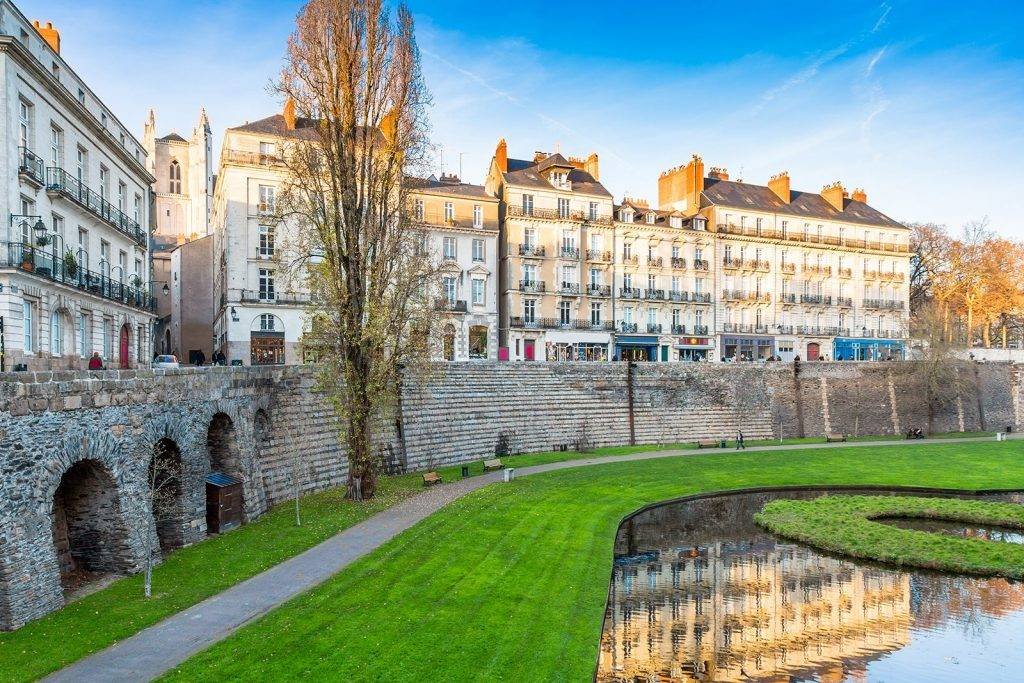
289 114
833 194
501 156
779 184
49 34
859 195
680 188
718 173
590 166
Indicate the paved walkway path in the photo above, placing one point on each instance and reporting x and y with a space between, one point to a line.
161 647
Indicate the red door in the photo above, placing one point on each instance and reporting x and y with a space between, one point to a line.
813 351
528 349
125 361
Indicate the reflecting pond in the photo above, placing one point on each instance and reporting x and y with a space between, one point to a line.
700 593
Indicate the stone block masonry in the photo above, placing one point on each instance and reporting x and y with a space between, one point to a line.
76 447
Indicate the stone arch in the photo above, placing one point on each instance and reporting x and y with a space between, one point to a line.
164 480
90 535
222 445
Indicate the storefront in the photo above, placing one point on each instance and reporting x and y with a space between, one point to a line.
564 345
858 348
747 348
694 348
638 347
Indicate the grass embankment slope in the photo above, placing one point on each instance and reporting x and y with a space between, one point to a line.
509 583
844 524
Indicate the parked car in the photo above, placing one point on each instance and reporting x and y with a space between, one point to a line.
165 361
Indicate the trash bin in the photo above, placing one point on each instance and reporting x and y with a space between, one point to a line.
465 471
509 473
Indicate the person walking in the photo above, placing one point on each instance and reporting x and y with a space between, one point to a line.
739 440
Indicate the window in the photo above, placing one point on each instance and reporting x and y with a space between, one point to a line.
449 248
785 229
698 285
627 250
627 315
27 322
728 252
592 211
627 281
652 316
595 277
595 313
527 204
138 268
82 166
105 253
478 250
626 215
122 196
56 334
529 237
104 183
564 313
83 335
569 276
675 317
652 281
81 96
529 273
137 209
122 262
478 216
760 225
56 146
698 254
478 292
449 212
675 221
450 287
267 241
417 209
675 251
650 218
563 207
675 284
267 198
268 149
267 285
529 311
596 241
268 322
25 123
58 227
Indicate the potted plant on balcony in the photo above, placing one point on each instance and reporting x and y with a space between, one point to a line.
70 264
43 240
27 261
135 281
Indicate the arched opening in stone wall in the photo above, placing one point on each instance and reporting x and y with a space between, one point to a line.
225 504
89 533
164 481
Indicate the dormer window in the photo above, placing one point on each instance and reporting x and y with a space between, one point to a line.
675 221
650 218
560 179
699 223
626 215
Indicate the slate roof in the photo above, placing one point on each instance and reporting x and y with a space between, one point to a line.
434 186
733 194
525 173
173 137
274 125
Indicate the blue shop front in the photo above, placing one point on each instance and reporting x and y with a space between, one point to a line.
747 347
860 348
638 347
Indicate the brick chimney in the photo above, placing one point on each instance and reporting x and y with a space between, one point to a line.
501 156
779 184
680 187
49 34
718 173
289 114
859 195
591 167
833 194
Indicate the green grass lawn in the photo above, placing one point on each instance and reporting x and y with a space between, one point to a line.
845 525
509 583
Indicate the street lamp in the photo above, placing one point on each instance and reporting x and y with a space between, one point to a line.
40 229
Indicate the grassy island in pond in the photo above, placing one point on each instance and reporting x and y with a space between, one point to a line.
848 525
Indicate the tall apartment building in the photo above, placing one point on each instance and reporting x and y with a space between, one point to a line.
662 293
556 257
259 311
461 221
75 266
797 273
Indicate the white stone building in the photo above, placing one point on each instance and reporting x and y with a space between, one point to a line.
74 262
259 311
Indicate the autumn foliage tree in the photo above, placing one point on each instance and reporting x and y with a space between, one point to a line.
352 83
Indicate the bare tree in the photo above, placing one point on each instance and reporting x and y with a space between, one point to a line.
163 492
352 84
938 374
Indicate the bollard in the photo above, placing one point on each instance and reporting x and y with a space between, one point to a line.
509 474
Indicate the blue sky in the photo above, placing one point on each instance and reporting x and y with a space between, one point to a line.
921 103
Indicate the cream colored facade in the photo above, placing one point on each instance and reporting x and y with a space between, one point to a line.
797 273
556 251
663 295
461 221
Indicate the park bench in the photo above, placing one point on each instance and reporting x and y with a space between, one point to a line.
708 443
431 478
495 464
834 438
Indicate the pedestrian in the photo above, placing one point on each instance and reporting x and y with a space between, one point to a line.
95 363
739 440
200 358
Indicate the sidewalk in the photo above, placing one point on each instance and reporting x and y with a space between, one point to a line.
159 648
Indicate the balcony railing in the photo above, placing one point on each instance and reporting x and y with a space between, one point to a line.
678 262
787 268
533 286
599 290
533 323
631 293
606 326
454 305
531 250
630 260
569 252
768 233
679 329
598 255
251 296
818 270
784 329
787 298
892 276
846 272
48 265
653 328
737 327
700 297
31 167
569 288
757 264
676 296
816 299
887 304
700 264
655 261
844 301
627 327
732 263
60 182
700 329
870 274
237 156
654 294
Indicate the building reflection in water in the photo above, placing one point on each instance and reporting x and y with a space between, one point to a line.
700 593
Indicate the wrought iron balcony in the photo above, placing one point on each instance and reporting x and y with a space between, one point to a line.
700 297
31 167
237 156
676 296
55 267
569 252
784 329
61 183
787 298
888 304
678 262
454 305
607 326
531 250
655 261
700 264
654 294
700 329
816 299
532 286
598 255
679 329
844 301
732 263
630 260
599 290
653 328
631 293
627 327
569 288
286 298
846 272
737 327
787 268
533 323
